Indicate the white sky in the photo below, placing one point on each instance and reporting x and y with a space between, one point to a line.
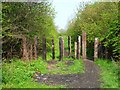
65 11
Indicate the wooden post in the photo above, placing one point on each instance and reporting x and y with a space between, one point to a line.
61 48
84 45
69 45
53 49
75 50
78 47
24 47
96 48
106 53
31 52
44 47
35 48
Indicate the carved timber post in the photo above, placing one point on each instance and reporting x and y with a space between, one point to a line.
35 48
69 45
78 47
84 45
75 50
44 47
31 52
61 48
53 49
24 49
96 43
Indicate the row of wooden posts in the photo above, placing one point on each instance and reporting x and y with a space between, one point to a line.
77 48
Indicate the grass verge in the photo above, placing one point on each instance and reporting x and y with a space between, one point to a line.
109 73
18 74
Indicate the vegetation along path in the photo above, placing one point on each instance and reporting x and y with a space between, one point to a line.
89 79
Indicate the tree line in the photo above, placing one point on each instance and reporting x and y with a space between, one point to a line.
99 19
26 19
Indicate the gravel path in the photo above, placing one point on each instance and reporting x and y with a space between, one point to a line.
89 79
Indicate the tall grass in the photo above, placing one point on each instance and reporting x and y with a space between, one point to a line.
18 74
109 73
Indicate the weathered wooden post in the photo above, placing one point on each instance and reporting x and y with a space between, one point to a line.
35 48
61 48
106 53
96 43
84 45
24 49
53 49
75 50
31 52
69 45
44 47
78 47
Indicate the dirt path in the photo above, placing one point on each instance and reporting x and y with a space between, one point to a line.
89 79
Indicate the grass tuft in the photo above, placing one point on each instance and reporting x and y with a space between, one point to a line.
109 73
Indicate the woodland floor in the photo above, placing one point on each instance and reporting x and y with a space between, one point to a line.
88 79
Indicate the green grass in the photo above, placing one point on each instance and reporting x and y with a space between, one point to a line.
62 68
109 73
18 74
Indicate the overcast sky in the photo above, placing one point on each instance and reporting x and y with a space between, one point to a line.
65 11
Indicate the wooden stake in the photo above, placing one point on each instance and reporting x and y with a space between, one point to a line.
35 48
44 47
96 48
75 50
61 48
53 49
78 47
31 52
84 45
24 46
69 45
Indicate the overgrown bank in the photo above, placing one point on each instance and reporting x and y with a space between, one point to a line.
19 74
109 75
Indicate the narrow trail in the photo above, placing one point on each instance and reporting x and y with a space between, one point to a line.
88 79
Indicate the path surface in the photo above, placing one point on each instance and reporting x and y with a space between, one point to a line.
89 79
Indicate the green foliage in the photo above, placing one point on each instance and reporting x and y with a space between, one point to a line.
27 19
99 19
18 74
109 73
18 70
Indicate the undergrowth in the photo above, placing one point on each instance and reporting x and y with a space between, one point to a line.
18 74
109 73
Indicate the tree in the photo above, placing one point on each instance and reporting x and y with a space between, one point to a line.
28 19
99 19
